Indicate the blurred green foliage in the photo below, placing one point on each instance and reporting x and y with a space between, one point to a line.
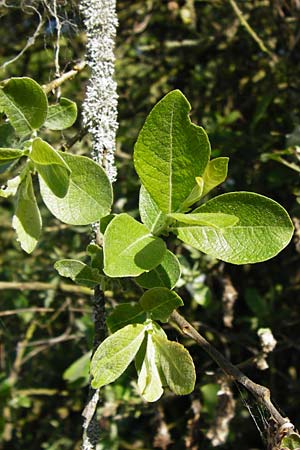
248 102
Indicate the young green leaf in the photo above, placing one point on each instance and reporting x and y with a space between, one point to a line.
215 173
160 302
166 274
263 230
79 272
125 314
149 381
217 220
51 167
27 219
8 155
291 442
25 104
151 215
170 152
89 196
11 187
61 116
194 195
115 354
129 248
78 369
177 365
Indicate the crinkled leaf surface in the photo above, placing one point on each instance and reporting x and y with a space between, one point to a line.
166 274
115 354
177 365
217 220
79 272
125 314
129 248
151 215
160 302
9 154
170 152
27 219
25 104
89 196
51 167
61 116
215 173
263 230
149 381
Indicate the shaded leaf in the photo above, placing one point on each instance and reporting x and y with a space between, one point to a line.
78 271
8 155
51 167
166 274
125 314
160 302
61 116
27 219
78 369
25 104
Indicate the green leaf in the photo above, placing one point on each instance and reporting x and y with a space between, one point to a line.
115 354
149 381
89 196
96 254
25 104
194 195
79 272
11 187
62 115
292 442
177 365
160 302
125 314
263 230
170 152
166 274
129 248
151 215
8 155
51 167
215 173
78 369
8 136
27 219
217 220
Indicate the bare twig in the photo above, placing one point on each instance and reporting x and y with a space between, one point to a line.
40 286
250 30
66 76
30 41
261 393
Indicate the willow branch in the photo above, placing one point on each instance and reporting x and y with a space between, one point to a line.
250 30
66 76
40 286
261 393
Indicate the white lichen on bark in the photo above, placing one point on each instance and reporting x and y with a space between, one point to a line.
101 101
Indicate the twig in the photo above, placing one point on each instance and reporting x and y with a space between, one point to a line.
30 41
66 76
40 286
250 30
261 393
